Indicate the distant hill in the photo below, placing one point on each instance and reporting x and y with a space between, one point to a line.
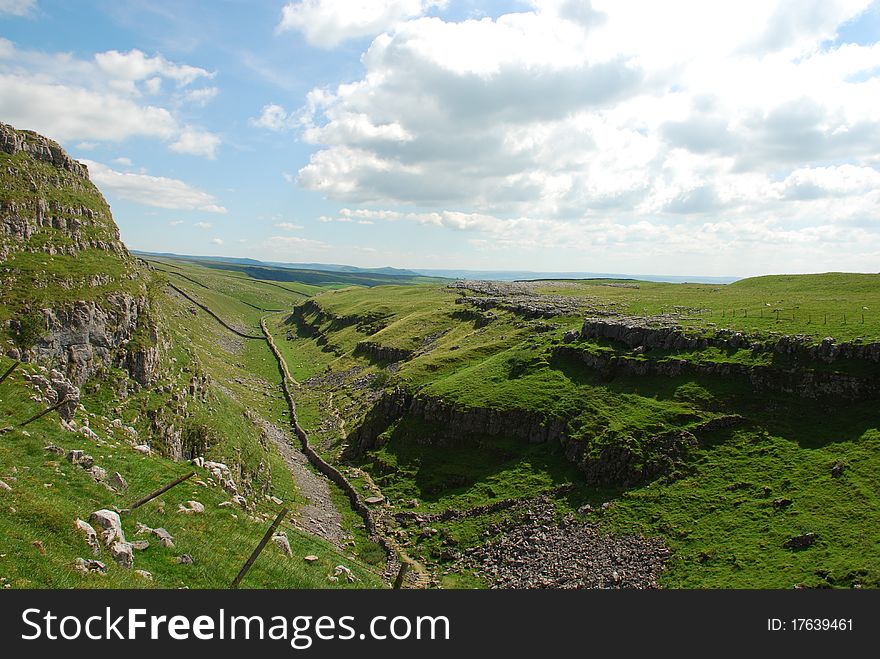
322 276
499 275
322 267
516 275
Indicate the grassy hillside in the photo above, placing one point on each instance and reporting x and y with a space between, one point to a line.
725 509
841 305
302 278
48 493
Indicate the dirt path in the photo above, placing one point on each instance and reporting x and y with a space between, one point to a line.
375 521
319 515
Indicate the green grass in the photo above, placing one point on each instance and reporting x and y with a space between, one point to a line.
830 304
714 513
219 541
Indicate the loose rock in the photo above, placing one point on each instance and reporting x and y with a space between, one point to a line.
91 535
283 543
112 525
122 554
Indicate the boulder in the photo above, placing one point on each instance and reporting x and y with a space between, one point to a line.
98 473
112 525
121 552
165 538
283 543
118 482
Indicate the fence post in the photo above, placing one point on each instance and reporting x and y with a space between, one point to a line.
9 372
61 402
256 552
161 490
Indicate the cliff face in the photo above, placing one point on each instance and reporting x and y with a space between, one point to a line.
610 464
72 296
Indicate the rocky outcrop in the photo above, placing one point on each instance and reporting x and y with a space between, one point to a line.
40 148
633 333
604 460
83 336
312 319
804 382
78 322
382 354
451 423
48 194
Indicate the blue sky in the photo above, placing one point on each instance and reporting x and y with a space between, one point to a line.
683 138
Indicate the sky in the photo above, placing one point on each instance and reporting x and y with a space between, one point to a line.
682 137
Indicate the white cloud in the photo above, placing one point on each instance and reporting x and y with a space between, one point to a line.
203 225
135 66
289 226
100 99
196 142
87 146
327 23
201 96
17 7
648 120
217 241
157 191
175 223
125 162
274 117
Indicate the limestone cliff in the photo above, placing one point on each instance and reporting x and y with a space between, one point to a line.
71 296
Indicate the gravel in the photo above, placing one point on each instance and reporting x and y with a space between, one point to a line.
534 550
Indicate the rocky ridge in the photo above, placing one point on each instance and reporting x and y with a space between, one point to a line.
49 206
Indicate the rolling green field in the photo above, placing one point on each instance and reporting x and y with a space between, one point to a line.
845 306
715 510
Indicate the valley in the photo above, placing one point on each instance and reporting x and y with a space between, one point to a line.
540 434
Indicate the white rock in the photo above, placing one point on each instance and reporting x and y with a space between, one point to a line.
110 522
142 448
98 473
143 573
117 481
191 508
4 487
165 538
342 570
86 566
88 433
122 554
91 536
283 543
